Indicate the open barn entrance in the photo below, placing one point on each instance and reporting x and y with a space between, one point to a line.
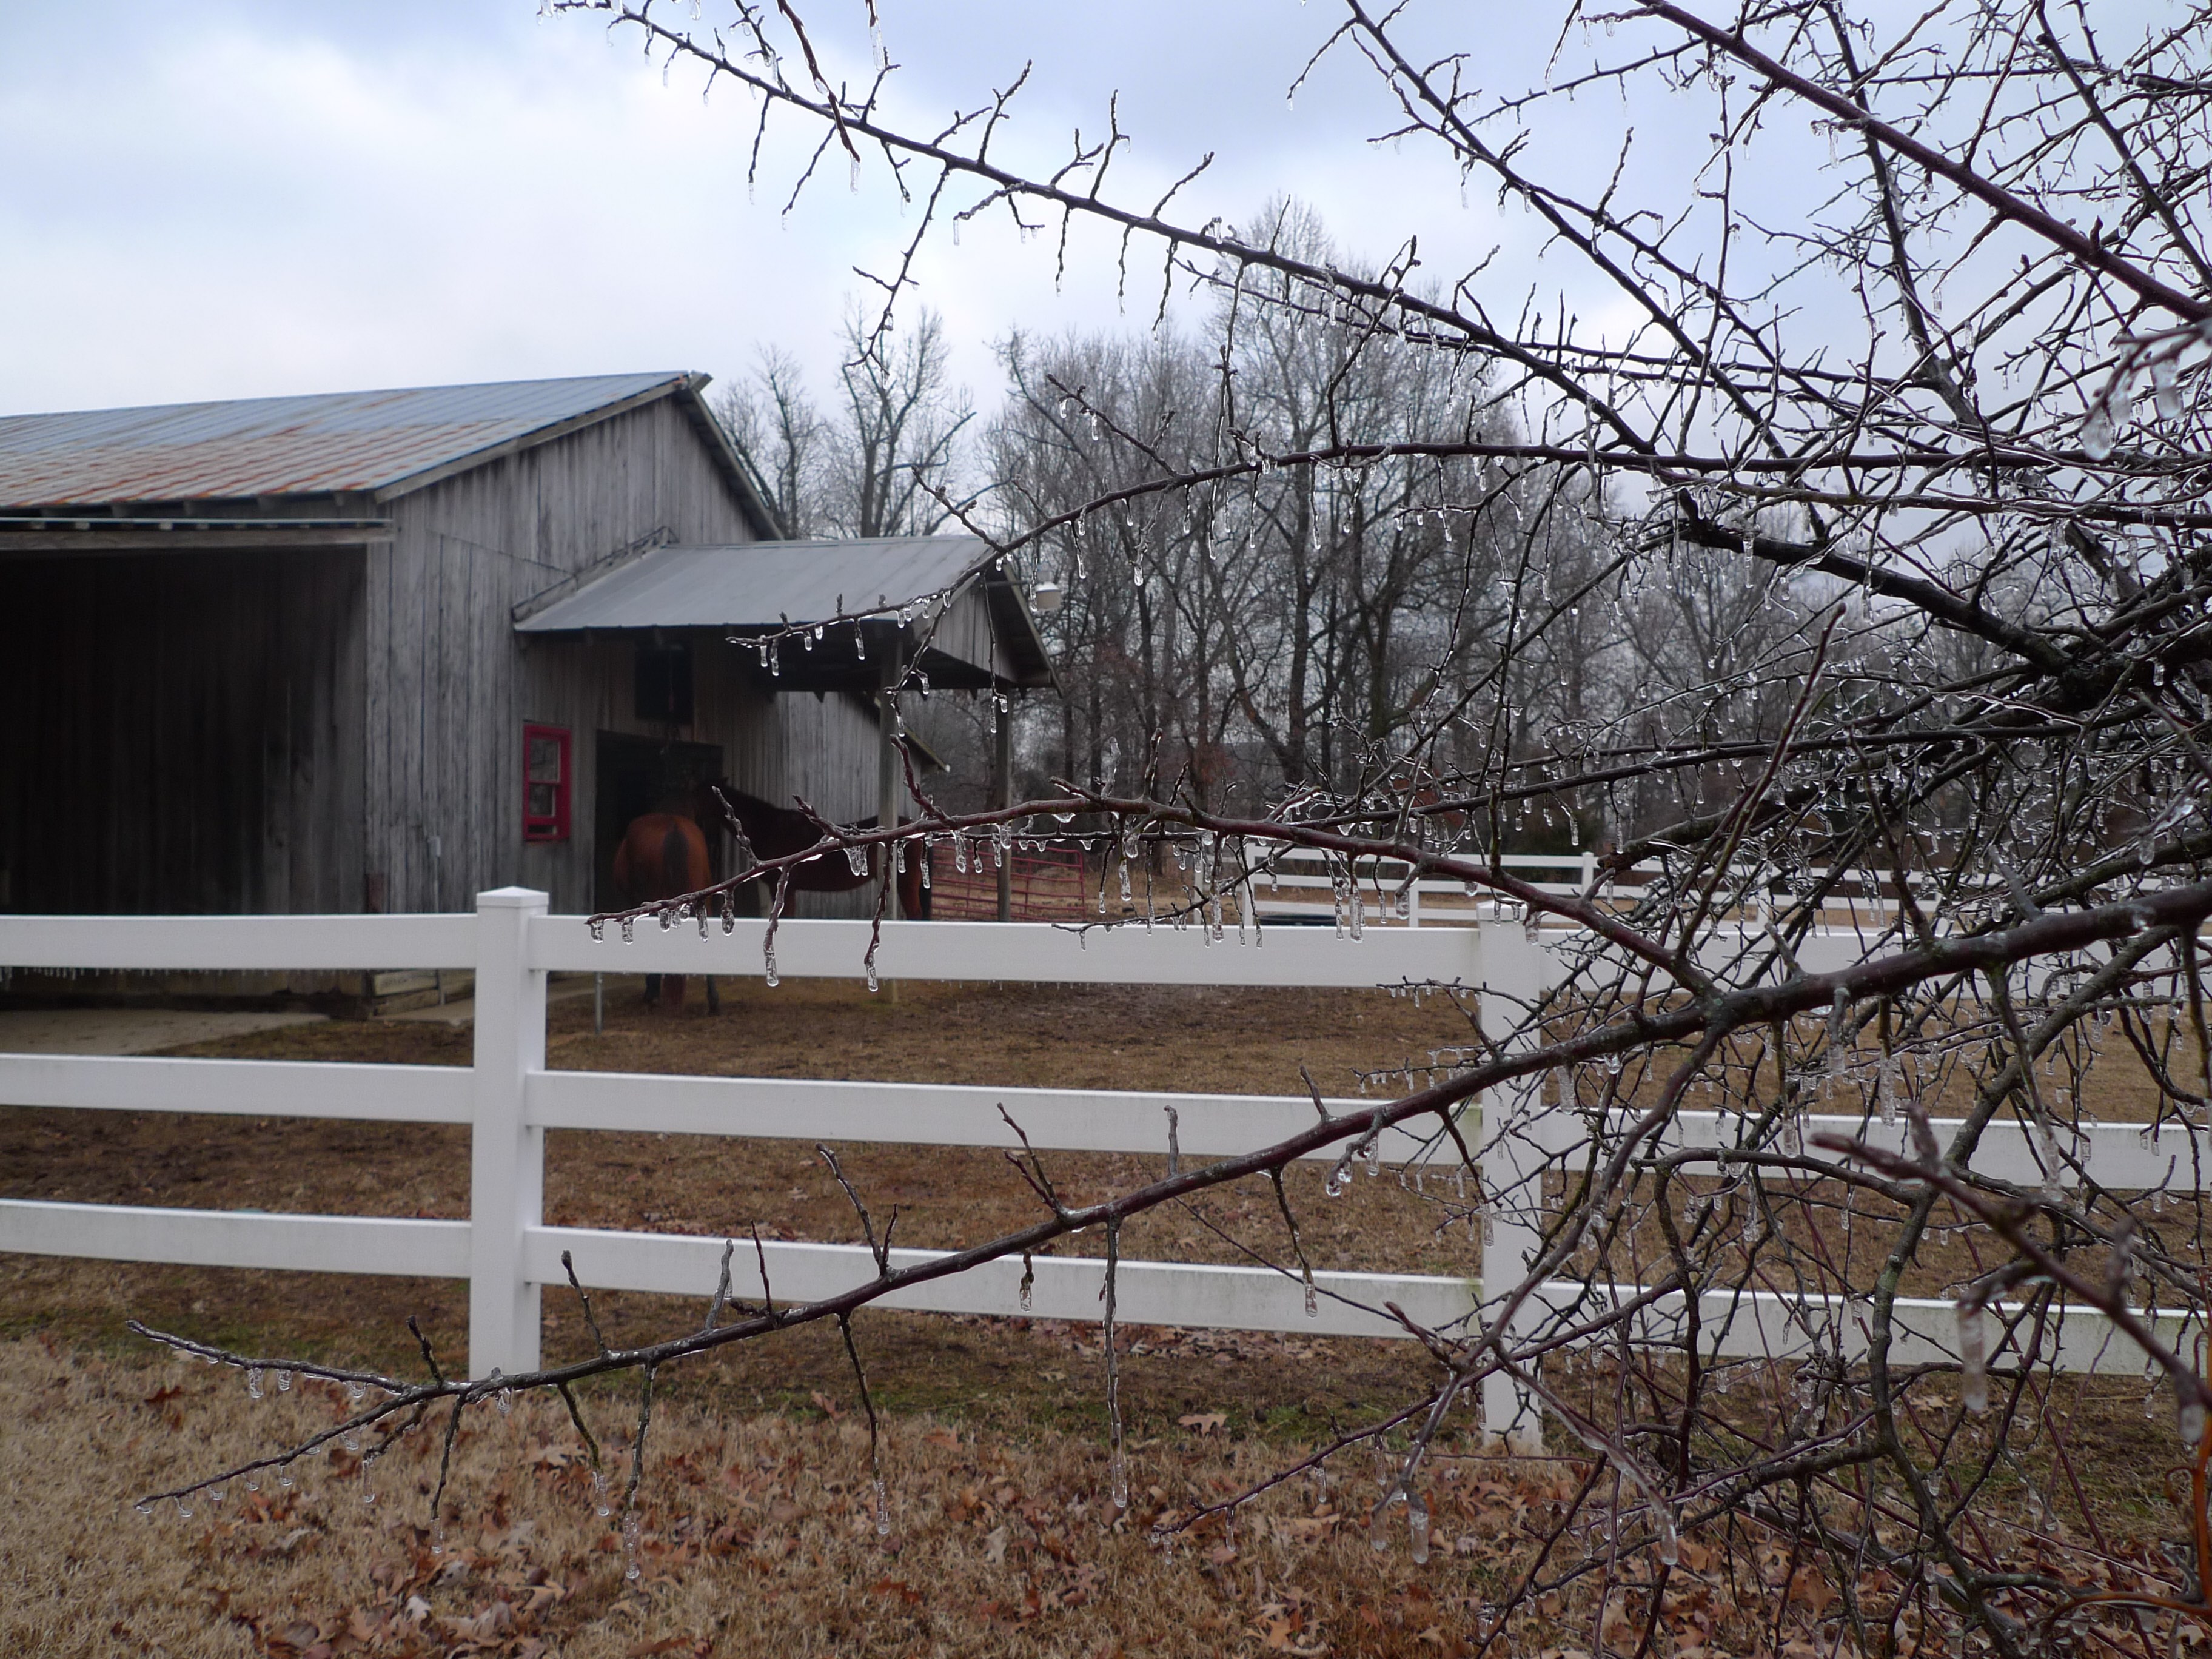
638 775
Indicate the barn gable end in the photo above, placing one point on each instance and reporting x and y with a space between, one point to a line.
449 687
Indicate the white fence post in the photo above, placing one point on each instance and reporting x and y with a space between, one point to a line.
506 1157
1515 972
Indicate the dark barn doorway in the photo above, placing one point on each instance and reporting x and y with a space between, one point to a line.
637 776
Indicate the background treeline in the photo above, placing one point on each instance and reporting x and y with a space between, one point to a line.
1301 625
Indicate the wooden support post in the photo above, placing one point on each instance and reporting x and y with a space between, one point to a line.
889 786
1002 794
887 770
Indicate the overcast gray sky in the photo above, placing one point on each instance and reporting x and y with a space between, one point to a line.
230 198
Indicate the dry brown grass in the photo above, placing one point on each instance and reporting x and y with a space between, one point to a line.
758 1536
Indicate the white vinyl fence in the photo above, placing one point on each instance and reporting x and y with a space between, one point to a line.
509 1099
1308 887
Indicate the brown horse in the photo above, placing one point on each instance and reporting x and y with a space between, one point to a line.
663 855
776 832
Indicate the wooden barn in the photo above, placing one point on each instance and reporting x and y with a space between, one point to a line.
382 650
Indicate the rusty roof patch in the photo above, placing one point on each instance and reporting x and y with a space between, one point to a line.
336 443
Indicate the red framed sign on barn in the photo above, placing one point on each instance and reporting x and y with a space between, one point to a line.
545 782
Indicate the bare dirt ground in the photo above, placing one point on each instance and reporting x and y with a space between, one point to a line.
1188 1040
756 1532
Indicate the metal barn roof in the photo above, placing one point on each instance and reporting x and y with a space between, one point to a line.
758 586
334 443
762 583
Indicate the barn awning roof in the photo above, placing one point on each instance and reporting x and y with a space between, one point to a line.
965 623
377 445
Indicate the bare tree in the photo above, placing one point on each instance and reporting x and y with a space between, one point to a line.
1908 450
892 447
773 420
883 459
1144 632
1273 628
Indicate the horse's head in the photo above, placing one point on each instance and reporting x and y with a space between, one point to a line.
771 831
706 806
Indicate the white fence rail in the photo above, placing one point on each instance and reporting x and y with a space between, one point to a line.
509 1099
1304 887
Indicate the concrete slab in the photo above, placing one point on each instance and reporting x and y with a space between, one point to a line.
459 1011
463 1010
129 1030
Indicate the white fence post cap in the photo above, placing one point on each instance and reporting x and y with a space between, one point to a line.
518 898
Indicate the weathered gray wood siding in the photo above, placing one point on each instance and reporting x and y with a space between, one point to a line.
590 687
964 629
775 746
304 730
450 684
182 732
